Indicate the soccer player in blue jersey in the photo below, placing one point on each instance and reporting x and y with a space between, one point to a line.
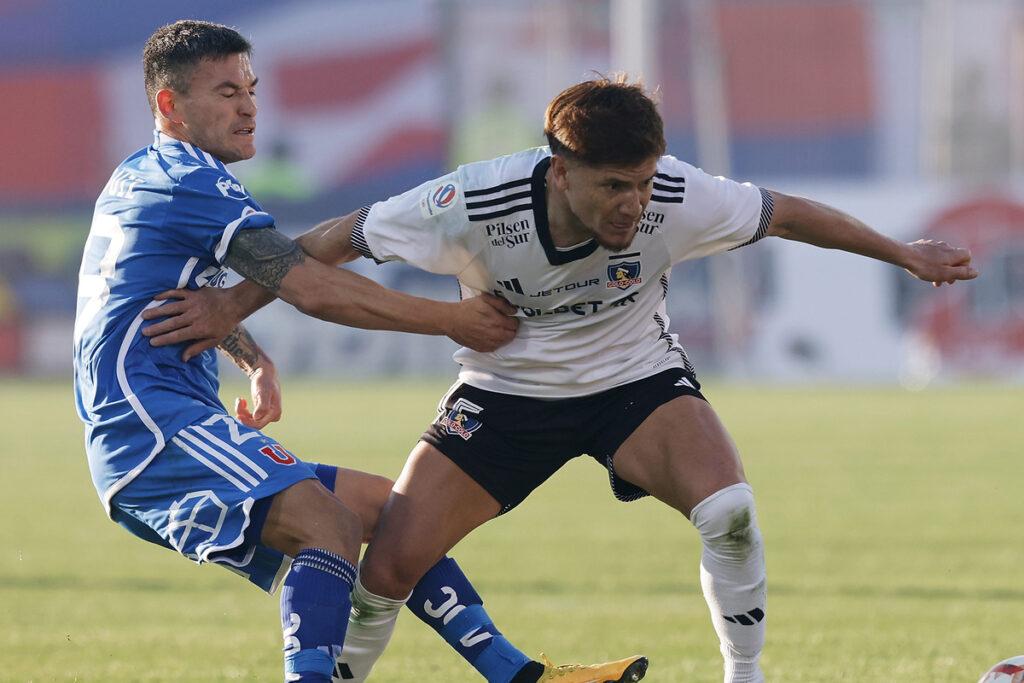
580 236
171 465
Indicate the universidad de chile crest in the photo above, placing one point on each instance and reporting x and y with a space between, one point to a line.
624 274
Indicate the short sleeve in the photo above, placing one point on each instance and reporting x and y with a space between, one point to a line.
715 214
425 227
213 207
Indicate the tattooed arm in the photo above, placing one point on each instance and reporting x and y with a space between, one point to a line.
265 387
281 267
243 351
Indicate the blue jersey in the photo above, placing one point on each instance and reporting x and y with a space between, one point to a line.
163 221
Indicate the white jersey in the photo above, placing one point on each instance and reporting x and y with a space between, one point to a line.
590 318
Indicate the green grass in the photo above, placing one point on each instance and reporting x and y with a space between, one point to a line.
892 523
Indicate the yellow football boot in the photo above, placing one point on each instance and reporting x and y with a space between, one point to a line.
626 670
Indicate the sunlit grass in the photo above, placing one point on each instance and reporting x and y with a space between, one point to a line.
891 519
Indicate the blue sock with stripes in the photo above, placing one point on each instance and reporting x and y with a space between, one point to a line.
446 601
315 604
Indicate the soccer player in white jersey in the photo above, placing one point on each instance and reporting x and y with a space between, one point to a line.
171 465
580 237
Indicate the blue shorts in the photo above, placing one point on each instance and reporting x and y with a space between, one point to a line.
207 493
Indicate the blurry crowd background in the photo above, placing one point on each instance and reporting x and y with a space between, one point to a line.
907 113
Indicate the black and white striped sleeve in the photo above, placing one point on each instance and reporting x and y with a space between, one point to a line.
767 204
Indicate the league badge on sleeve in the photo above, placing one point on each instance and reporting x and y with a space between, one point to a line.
439 198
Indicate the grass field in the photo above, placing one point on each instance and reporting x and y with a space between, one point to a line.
892 520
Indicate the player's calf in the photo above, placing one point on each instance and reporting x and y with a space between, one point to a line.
732 572
315 608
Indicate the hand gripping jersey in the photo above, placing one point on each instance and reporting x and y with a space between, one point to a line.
163 221
591 319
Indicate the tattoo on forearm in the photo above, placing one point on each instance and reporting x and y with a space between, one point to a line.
264 256
241 348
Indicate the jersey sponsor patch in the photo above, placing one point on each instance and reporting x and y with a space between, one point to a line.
212 276
231 188
439 198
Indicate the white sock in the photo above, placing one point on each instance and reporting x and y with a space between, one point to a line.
370 625
732 574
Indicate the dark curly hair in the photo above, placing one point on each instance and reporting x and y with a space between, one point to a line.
173 52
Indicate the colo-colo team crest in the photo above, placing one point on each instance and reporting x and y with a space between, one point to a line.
624 275
459 421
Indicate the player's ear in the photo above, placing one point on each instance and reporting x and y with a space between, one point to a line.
165 105
559 171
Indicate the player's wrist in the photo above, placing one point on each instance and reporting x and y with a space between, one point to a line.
448 319
244 299
263 368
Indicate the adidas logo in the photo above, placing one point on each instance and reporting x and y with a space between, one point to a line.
512 285
683 382
749 619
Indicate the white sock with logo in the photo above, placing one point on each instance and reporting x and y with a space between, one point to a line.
733 577
370 625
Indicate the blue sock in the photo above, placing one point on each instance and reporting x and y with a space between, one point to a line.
446 601
315 604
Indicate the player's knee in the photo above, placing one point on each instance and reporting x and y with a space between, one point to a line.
376 490
362 492
307 515
392 573
727 523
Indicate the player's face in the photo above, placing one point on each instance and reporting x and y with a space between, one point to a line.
218 115
607 202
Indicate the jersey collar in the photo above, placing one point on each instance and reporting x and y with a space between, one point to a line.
556 256
165 143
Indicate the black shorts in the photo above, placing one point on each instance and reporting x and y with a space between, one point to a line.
511 444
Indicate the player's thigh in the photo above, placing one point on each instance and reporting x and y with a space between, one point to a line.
434 504
308 515
681 454
363 493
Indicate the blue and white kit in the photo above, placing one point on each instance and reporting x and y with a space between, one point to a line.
164 221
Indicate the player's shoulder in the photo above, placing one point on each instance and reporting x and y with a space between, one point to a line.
671 166
676 179
671 179
205 180
193 170
504 172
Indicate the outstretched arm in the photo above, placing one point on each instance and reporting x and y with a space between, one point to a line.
804 220
206 316
279 265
